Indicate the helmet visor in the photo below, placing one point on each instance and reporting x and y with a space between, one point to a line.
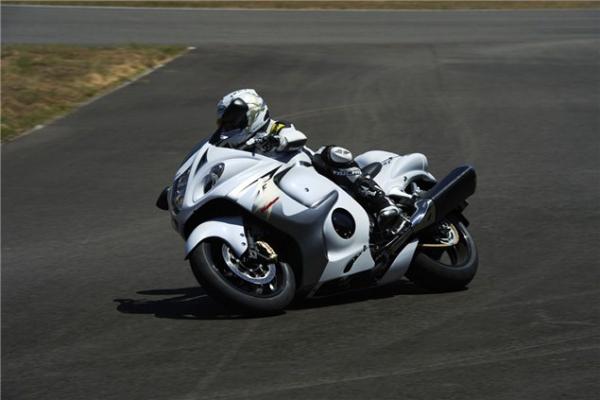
233 117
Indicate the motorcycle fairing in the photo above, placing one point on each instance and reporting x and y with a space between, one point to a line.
244 166
306 218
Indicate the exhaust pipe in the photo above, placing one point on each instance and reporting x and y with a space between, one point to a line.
447 195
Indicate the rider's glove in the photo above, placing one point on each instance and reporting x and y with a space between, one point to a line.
267 142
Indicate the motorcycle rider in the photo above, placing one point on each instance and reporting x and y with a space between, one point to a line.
243 122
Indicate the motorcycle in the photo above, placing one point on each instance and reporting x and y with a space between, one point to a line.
260 232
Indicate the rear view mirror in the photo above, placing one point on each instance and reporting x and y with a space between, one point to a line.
162 202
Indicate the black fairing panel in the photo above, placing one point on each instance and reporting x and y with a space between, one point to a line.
307 231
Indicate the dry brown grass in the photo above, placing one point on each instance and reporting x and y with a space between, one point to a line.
332 4
40 82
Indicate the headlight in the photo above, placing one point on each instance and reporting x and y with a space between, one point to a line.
213 176
179 190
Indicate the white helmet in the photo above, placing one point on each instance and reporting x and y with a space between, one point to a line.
242 110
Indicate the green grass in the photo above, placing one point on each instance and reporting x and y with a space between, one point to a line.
40 82
332 4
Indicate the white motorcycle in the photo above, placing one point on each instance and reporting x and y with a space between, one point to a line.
262 232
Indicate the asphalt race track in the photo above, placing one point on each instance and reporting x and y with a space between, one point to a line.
98 303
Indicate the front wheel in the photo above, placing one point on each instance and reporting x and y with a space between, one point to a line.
261 288
445 263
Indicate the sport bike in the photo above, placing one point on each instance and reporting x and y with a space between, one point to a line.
260 232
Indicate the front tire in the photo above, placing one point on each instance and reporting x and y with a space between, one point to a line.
214 271
446 269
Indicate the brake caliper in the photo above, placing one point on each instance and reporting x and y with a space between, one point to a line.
265 251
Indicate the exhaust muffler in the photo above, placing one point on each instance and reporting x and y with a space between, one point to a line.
447 195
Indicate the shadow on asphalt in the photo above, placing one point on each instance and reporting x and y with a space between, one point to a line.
188 303
193 302
396 289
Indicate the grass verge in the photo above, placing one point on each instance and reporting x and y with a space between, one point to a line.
330 4
40 82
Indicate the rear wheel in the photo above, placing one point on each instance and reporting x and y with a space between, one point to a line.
255 287
447 260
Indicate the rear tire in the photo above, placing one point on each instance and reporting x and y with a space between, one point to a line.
429 271
211 271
